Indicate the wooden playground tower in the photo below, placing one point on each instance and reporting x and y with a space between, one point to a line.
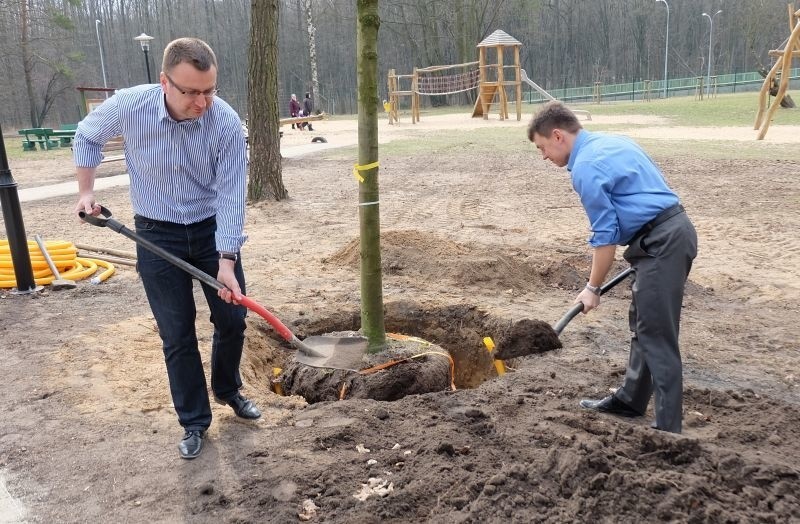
783 62
493 81
490 78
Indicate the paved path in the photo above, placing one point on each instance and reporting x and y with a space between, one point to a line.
71 188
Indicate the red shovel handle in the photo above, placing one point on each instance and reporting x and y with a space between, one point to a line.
255 307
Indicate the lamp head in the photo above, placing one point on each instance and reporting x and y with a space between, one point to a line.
144 40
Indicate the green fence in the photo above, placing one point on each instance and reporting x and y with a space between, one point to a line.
632 91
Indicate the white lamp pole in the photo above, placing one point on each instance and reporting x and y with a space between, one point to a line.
100 45
144 40
710 34
666 49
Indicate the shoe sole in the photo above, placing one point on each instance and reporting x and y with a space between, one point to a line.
631 414
223 403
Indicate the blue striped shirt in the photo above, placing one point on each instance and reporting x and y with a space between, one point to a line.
620 187
181 172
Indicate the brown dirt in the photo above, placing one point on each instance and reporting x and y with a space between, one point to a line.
527 337
474 242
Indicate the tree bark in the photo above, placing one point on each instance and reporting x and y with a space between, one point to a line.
266 177
372 321
312 51
27 63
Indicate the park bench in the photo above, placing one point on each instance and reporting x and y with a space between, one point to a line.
66 134
284 121
37 135
47 138
301 119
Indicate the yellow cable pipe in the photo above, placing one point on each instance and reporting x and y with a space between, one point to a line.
64 256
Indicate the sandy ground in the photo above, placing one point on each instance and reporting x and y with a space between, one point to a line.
470 239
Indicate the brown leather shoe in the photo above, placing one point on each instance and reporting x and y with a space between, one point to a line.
612 405
243 407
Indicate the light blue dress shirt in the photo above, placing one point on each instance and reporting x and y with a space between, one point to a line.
620 187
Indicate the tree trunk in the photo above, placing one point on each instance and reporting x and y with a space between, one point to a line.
27 63
368 210
266 178
312 52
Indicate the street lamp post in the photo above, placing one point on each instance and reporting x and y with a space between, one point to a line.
710 34
666 48
144 40
102 61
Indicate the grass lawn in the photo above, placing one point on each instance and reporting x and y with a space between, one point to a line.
736 110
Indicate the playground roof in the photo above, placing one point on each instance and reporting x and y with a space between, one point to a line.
499 37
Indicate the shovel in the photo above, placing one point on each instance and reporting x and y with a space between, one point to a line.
58 282
317 351
534 336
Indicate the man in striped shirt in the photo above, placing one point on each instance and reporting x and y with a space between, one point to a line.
186 156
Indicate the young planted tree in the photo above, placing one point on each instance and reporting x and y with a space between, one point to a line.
368 195
266 178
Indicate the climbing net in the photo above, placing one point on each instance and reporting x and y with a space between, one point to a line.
447 79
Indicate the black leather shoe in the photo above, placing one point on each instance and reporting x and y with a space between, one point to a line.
243 407
192 444
610 404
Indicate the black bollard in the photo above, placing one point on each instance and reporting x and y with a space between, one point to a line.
15 228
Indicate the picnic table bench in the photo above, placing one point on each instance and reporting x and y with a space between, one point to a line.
47 138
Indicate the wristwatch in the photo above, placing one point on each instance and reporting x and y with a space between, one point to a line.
227 255
593 289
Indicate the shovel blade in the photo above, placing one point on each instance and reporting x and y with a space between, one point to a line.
334 352
57 284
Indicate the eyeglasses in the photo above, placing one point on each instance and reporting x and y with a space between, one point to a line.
193 93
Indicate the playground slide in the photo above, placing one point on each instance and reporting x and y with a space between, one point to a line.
534 85
527 80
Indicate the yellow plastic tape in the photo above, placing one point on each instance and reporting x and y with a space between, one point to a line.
357 170
498 364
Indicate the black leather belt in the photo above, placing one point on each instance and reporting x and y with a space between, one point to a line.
662 217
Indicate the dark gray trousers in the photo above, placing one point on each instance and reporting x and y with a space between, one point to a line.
661 260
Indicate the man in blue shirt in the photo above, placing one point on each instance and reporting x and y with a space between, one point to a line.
629 203
186 156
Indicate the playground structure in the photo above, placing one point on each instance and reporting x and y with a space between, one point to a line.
492 79
783 64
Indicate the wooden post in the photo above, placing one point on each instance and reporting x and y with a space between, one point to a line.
698 88
518 82
482 90
414 97
501 85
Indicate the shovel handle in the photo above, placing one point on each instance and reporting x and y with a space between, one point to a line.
577 308
46 255
264 313
105 220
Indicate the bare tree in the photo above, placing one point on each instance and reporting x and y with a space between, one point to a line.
312 50
56 73
266 178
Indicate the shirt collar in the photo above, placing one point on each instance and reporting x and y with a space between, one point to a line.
163 113
576 146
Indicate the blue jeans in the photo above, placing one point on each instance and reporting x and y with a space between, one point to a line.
169 292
